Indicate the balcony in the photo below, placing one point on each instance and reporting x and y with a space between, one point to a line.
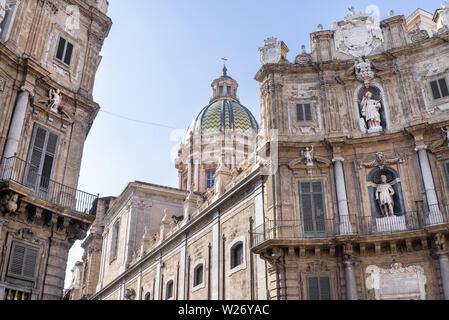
288 230
25 174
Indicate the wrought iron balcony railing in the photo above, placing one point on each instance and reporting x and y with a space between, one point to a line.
353 225
25 174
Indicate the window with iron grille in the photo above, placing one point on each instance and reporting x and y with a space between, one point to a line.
312 204
319 287
439 88
210 182
64 51
198 274
41 158
304 112
114 240
23 263
237 255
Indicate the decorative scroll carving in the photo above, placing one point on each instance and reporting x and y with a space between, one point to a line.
380 161
308 159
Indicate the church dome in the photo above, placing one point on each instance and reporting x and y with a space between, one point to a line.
222 115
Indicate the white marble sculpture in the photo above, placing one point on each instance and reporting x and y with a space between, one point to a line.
370 111
444 14
384 195
54 100
445 135
308 156
3 9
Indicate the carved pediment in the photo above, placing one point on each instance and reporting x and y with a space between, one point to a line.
380 160
319 162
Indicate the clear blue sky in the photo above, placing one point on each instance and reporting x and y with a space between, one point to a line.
159 61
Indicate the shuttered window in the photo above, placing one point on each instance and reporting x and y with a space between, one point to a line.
319 288
41 158
114 240
304 112
311 198
64 51
23 261
439 88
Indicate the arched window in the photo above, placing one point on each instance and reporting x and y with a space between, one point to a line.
198 274
147 296
237 255
169 290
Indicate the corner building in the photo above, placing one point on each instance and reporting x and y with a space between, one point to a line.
343 196
49 55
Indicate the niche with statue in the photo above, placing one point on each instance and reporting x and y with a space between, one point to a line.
373 116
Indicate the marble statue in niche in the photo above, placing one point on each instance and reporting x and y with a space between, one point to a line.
308 156
370 111
384 195
54 100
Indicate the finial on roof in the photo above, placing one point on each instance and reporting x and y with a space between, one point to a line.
225 70
391 13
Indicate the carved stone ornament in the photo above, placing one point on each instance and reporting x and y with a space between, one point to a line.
3 9
363 71
9 203
418 35
317 266
309 160
273 51
444 14
380 161
358 35
304 59
397 282
27 234
445 135
130 294
2 82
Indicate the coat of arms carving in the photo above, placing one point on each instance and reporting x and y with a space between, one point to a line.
358 35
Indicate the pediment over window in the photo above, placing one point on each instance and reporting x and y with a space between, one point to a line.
319 162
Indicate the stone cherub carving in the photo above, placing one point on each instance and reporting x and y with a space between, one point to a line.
370 110
9 203
364 71
445 134
384 195
308 156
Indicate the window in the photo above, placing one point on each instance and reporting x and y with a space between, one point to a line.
439 88
319 288
114 244
220 88
311 197
198 275
41 158
64 51
304 112
228 88
147 296
210 182
237 255
169 290
23 261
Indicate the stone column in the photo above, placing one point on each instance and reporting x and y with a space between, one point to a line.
444 269
15 129
351 287
435 216
345 224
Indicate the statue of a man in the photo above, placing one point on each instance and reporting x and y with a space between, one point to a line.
384 195
370 110
55 100
308 156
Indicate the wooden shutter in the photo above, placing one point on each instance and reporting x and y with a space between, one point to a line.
299 112
312 207
23 262
60 50
308 112
42 157
435 90
319 288
443 87
68 53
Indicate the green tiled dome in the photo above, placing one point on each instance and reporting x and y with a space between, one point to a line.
224 114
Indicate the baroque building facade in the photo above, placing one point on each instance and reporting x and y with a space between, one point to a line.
341 193
49 54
